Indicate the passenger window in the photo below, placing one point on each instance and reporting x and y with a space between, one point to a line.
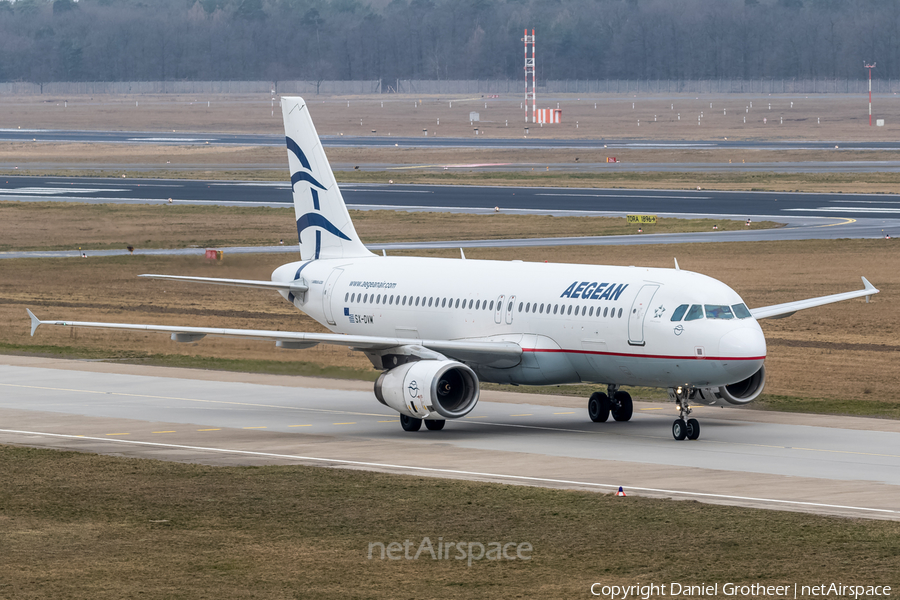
694 313
347 295
457 302
679 312
404 300
430 301
444 303
470 304
520 307
541 310
584 310
620 313
492 305
591 314
417 300
378 300
604 311
741 311
366 297
718 311
509 307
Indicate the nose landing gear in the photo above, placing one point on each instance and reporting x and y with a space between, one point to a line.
682 429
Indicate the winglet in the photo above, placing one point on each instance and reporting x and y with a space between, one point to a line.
677 268
35 322
869 286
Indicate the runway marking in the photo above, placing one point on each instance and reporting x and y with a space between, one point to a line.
256 427
565 413
629 196
126 395
523 478
390 421
845 208
299 425
118 434
654 408
209 430
523 415
163 432
351 423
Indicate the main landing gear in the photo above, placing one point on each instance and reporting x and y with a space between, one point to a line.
413 424
615 402
682 429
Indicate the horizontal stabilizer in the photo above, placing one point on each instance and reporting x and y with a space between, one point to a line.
293 286
780 311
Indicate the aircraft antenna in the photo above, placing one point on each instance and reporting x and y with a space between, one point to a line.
677 268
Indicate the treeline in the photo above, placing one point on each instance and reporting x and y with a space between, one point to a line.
170 40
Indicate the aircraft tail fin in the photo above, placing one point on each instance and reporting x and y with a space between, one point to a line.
324 227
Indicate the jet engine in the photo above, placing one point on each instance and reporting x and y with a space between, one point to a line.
437 389
738 393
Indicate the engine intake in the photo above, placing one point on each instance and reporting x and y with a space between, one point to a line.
736 394
420 389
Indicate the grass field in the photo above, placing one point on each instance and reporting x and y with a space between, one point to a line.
66 226
85 526
670 116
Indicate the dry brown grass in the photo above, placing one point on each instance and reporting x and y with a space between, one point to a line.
83 526
841 351
60 226
843 117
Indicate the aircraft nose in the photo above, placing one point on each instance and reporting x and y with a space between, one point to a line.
745 342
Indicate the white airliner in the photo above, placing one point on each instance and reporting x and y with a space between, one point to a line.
438 326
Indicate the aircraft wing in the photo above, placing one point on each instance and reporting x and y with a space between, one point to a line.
493 353
293 286
780 311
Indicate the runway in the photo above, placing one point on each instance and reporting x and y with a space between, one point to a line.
806 216
258 139
830 465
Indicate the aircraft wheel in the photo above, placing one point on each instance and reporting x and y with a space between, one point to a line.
622 408
434 425
693 429
409 423
598 407
679 429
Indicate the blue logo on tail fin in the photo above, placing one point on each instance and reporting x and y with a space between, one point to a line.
312 219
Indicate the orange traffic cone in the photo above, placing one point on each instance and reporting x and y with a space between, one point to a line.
621 492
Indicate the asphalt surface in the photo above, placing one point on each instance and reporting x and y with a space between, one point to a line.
806 216
829 465
250 139
786 205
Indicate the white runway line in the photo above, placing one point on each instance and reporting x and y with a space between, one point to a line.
522 478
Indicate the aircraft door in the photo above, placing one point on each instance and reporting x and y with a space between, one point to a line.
327 292
498 310
510 307
638 312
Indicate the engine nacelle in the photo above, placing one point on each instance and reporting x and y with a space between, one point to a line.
437 389
735 394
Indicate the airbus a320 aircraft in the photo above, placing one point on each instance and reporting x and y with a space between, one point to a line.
438 326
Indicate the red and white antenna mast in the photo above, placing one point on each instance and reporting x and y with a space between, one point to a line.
529 70
870 67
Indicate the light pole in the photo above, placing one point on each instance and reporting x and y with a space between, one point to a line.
870 67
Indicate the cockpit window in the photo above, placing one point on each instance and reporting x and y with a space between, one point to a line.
719 311
679 312
741 311
695 312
